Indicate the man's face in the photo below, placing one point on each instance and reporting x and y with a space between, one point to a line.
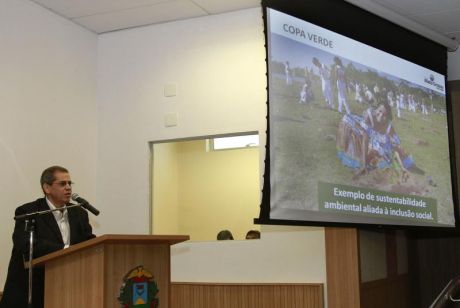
60 191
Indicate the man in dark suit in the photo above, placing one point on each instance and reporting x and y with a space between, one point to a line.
53 231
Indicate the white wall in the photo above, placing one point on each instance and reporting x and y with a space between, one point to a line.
290 256
218 65
47 107
453 65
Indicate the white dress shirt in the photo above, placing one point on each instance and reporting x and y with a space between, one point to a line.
62 220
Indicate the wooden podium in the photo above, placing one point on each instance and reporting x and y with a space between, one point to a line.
90 274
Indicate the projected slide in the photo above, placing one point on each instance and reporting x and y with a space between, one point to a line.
356 135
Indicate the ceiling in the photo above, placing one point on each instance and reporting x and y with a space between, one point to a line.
439 15
109 15
99 16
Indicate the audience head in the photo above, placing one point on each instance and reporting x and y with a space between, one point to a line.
253 235
224 235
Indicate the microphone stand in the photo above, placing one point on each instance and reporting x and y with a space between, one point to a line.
30 227
30 220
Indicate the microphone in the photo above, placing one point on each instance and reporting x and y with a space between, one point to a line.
85 204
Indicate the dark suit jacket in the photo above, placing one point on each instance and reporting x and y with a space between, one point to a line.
47 239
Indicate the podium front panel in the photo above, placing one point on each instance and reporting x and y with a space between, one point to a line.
91 274
76 280
121 258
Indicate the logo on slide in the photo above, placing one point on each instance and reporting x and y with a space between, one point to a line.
431 81
139 289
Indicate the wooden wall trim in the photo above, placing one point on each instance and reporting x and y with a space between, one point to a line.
247 284
246 295
342 267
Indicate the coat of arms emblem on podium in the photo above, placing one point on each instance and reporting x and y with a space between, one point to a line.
139 290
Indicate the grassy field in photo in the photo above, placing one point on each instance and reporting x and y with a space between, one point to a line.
303 151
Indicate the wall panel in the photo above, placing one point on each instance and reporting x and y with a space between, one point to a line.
208 295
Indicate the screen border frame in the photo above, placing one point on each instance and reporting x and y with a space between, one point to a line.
301 10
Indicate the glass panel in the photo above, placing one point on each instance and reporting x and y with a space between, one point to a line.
235 142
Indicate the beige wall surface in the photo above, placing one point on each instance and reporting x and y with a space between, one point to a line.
165 185
212 191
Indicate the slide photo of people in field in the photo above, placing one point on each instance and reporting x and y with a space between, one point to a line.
355 142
